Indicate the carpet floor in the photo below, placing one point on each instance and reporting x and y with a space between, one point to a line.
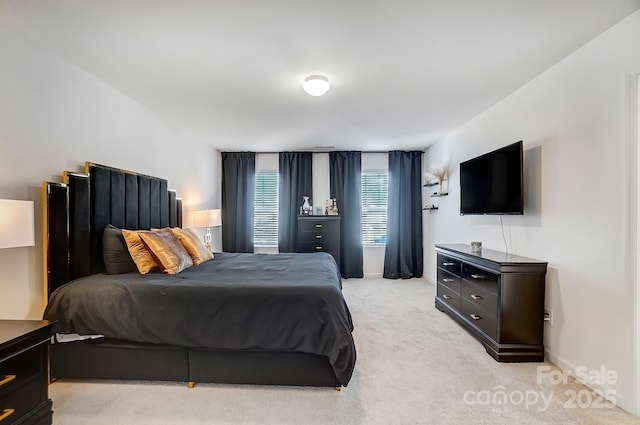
415 366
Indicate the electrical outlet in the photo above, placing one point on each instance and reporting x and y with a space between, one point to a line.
548 317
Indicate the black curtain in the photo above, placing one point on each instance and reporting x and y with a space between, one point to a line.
294 183
238 187
403 251
345 175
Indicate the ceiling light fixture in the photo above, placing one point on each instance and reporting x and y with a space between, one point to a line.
316 85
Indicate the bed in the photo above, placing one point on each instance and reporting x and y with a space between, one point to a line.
240 318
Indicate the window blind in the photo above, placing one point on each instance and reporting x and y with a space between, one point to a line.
374 207
265 226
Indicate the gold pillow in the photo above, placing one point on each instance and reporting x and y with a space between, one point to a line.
167 250
194 246
139 252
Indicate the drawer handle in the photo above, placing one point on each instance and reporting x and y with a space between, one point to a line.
318 248
318 236
7 379
478 276
6 414
447 280
446 297
448 264
475 316
476 297
318 226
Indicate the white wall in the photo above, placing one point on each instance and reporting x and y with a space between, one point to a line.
54 117
573 121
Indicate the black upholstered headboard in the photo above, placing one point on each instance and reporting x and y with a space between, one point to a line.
77 211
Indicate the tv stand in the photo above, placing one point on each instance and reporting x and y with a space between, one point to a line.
497 297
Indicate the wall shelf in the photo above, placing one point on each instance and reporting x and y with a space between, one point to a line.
429 208
438 195
430 184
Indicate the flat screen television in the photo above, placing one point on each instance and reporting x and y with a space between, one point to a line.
493 183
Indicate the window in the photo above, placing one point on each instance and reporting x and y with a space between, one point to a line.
374 207
265 219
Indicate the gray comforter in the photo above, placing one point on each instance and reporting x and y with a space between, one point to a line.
283 302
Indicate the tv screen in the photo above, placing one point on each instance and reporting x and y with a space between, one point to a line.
492 183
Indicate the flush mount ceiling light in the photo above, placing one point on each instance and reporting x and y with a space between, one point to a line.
316 85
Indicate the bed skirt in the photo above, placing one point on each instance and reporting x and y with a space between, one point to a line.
122 360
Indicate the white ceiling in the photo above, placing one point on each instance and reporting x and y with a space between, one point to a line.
404 73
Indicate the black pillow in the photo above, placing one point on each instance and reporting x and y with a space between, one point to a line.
115 253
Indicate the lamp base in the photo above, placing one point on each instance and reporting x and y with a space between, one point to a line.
207 238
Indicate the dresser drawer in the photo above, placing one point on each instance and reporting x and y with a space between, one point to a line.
314 237
487 280
21 400
448 297
450 264
319 246
19 369
485 300
449 280
479 318
318 225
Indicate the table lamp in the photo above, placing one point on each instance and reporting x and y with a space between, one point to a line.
207 219
16 224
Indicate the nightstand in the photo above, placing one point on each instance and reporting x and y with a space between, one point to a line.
24 363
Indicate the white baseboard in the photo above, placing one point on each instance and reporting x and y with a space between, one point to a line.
570 368
429 280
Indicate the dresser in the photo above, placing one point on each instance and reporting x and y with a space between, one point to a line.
319 233
497 297
24 363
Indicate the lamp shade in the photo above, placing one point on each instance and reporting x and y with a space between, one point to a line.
207 218
16 223
316 85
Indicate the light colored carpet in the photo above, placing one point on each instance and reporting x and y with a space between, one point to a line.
414 366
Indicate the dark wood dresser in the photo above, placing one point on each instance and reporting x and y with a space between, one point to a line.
24 365
497 297
319 233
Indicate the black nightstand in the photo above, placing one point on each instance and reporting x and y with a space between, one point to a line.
24 362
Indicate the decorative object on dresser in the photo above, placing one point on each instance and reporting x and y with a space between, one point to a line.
319 234
331 206
24 380
306 207
497 297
